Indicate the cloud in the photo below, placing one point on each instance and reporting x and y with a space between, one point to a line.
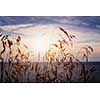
80 21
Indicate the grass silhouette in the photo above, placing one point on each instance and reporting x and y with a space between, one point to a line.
59 67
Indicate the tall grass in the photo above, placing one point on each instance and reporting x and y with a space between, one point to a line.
59 67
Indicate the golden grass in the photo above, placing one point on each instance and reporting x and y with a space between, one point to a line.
20 66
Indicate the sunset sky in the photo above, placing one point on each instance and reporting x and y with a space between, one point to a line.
46 28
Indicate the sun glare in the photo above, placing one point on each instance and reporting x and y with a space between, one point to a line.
41 44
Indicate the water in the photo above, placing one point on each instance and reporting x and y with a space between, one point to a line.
97 66
75 77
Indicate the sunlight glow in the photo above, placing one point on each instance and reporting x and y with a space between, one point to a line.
41 44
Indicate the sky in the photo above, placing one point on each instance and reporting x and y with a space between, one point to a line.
83 21
86 28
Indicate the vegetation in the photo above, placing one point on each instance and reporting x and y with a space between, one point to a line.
59 67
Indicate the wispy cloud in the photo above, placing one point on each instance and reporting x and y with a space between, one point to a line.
80 21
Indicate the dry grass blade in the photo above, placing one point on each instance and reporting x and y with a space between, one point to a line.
4 47
10 43
93 69
66 42
72 36
18 39
7 75
85 56
36 67
25 46
0 35
2 38
66 33
90 48
19 51
55 45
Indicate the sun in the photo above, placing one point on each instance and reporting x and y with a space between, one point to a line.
41 44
